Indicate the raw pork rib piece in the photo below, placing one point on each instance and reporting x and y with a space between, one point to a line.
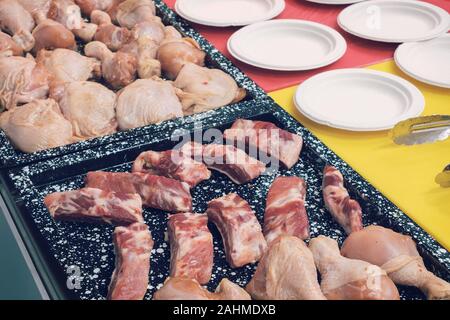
189 289
344 210
285 209
95 205
133 246
267 138
172 164
241 233
156 192
191 246
227 159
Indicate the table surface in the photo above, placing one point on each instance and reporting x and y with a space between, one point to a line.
404 174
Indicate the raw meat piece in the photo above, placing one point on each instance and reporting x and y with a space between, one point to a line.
266 138
348 279
191 246
87 6
206 89
147 101
36 6
68 65
51 35
286 272
190 289
36 126
172 164
227 159
156 192
18 22
96 205
133 246
144 49
397 255
112 36
89 106
21 81
241 232
131 12
347 212
8 47
285 209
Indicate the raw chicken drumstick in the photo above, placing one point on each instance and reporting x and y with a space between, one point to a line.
204 89
89 106
21 81
9 47
348 279
286 272
131 12
189 289
118 69
147 101
87 6
112 36
397 255
18 22
50 34
67 65
68 14
36 126
346 211
36 6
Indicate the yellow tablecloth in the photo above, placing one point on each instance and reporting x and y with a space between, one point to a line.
404 174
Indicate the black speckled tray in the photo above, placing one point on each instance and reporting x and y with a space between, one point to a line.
10 157
89 247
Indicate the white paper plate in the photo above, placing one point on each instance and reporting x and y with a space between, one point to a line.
358 99
394 20
336 2
287 45
427 61
225 13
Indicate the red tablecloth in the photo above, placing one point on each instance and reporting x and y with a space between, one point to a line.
360 52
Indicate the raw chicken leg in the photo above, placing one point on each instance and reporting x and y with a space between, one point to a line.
205 89
131 12
68 14
189 289
89 106
348 279
87 6
36 6
50 34
144 50
17 21
21 81
8 46
175 52
68 65
118 69
398 256
153 29
36 126
147 101
286 272
112 36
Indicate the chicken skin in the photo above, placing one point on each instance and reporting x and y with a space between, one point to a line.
18 22
147 101
205 89
89 106
87 6
51 35
36 126
174 53
189 289
21 81
397 255
112 36
286 272
36 6
348 279
67 65
8 47
118 68
131 12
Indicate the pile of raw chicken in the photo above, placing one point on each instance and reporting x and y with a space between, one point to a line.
53 95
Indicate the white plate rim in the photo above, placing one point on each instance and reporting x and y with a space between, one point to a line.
416 108
339 50
334 2
277 10
442 28
404 48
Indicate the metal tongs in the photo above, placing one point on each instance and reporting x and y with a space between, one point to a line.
425 129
